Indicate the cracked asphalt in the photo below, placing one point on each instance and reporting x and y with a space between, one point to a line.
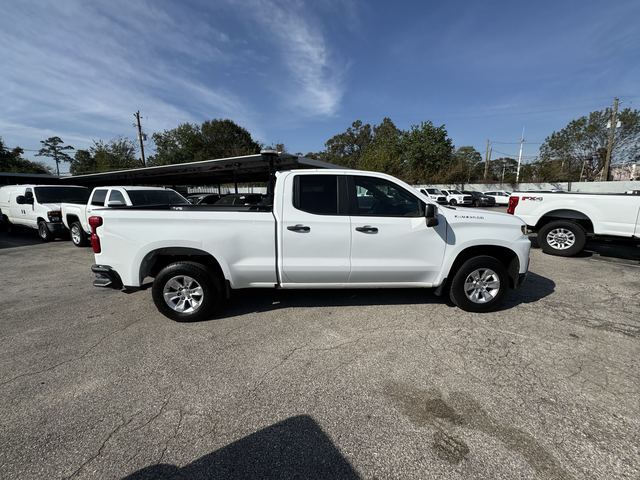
332 384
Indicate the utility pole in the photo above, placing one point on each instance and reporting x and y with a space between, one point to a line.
520 156
487 159
137 115
612 135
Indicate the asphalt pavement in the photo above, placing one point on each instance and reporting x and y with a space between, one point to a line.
330 384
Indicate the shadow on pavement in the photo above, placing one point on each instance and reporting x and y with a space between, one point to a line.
242 302
621 249
294 448
18 238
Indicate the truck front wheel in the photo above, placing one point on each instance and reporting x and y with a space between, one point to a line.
562 238
78 237
479 285
43 232
187 292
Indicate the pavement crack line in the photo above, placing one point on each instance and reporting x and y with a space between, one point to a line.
72 359
113 432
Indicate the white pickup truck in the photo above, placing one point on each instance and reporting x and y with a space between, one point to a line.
323 229
564 220
75 215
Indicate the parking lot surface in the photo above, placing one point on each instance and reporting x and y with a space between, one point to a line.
331 384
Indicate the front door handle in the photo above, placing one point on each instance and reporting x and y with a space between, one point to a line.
299 228
367 229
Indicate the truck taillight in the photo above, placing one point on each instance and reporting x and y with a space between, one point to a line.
94 223
513 203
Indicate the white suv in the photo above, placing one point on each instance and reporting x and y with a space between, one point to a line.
501 196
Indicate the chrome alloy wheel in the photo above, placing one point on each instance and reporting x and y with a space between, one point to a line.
561 238
482 285
75 234
183 294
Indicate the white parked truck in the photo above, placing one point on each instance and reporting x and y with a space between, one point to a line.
75 215
323 229
563 221
456 197
38 207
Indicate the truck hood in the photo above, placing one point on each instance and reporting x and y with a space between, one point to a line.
52 206
460 215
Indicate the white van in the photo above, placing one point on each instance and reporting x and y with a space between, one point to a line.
38 206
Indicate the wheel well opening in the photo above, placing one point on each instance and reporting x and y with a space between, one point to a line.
569 215
505 255
155 261
71 218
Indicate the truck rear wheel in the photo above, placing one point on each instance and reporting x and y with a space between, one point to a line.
563 238
187 292
78 237
479 285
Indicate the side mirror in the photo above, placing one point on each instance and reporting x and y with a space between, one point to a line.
20 200
431 214
115 203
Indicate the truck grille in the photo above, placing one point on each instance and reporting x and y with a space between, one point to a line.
467 199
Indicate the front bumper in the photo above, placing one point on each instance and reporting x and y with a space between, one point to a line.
106 277
56 227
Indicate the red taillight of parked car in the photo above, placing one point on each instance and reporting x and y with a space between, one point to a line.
513 203
94 223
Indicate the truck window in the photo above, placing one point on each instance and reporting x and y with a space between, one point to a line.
378 197
116 196
156 197
98 198
316 194
61 194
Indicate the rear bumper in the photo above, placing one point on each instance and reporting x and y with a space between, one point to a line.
106 277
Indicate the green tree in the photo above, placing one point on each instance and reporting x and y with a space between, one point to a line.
427 153
116 154
383 152
213 139
465 165
82 162
54 147
347 148
578 150
11 161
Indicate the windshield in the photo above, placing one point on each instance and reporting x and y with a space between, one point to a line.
156 197
434 191
62 194
455 192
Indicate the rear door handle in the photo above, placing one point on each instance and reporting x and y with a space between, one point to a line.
367 229
299 228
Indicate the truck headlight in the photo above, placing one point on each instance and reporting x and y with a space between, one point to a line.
54 215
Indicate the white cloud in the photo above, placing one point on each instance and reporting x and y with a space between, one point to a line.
318 86
80 70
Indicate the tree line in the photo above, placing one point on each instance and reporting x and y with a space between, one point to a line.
422 153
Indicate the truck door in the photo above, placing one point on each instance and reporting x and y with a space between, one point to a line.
391 242
17 212
315 230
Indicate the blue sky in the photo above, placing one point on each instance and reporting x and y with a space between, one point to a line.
298 72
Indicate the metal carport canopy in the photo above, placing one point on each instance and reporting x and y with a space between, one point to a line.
247 168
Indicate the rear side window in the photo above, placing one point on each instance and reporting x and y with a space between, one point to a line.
116 196
317 194
98 198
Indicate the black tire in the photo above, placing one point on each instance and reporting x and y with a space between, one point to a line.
43 232
78 235
457 289
579 238
475 203
212 291
453 201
